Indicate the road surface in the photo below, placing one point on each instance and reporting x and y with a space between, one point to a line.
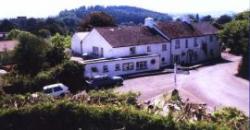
216 85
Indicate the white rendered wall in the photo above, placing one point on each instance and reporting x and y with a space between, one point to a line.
142 49
111 67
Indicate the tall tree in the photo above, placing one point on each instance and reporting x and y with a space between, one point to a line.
6 26
30 54
97 19
207 18
235 36
56 53
224 19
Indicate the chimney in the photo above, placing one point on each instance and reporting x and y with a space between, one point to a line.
149 22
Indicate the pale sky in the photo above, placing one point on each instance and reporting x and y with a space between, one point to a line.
45 8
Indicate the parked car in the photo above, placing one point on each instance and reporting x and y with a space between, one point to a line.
55 90
105 81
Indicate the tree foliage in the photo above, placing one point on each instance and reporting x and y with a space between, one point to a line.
30 53
235 36
6 26
223 19
207 18
68 20
96 19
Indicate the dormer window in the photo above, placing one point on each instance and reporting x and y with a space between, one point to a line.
132 50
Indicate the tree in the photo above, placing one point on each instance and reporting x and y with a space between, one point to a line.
56 54
44 33
30 53
207 18
14 33
235 36
243 15
72 76
224 19
97 19
6 26
243 68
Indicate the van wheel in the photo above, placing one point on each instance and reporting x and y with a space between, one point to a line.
62 95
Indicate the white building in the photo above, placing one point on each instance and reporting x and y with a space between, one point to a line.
145 48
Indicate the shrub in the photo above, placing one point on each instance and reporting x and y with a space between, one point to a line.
65 115
69 73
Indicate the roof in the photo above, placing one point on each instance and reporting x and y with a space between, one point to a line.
205 28
178 29
53 85
129 36
101 60
142 35
8 45
81 35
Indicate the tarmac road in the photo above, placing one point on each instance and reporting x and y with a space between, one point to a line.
216 85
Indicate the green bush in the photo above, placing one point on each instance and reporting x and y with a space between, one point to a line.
65 115
70 73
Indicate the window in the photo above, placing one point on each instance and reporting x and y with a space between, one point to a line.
211 38
48 90
81 46
164 47
142 65
56 89
101 52
186 43
148 49
105 69
163 59
132 50
128 66
177 44
152 61
94 69
95 50
195 42
117 67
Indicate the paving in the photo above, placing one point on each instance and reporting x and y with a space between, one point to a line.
216 85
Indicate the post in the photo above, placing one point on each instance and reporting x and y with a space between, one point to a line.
175 72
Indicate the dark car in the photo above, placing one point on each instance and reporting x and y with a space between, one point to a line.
105 81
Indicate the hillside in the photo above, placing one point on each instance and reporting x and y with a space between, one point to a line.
121 14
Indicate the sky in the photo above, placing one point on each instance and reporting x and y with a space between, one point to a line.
45 8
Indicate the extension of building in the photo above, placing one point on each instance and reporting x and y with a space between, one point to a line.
133 49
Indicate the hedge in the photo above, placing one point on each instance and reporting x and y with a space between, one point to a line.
65 115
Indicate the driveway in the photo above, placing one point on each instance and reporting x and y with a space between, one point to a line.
216 85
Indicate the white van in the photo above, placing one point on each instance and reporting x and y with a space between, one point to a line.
55 90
